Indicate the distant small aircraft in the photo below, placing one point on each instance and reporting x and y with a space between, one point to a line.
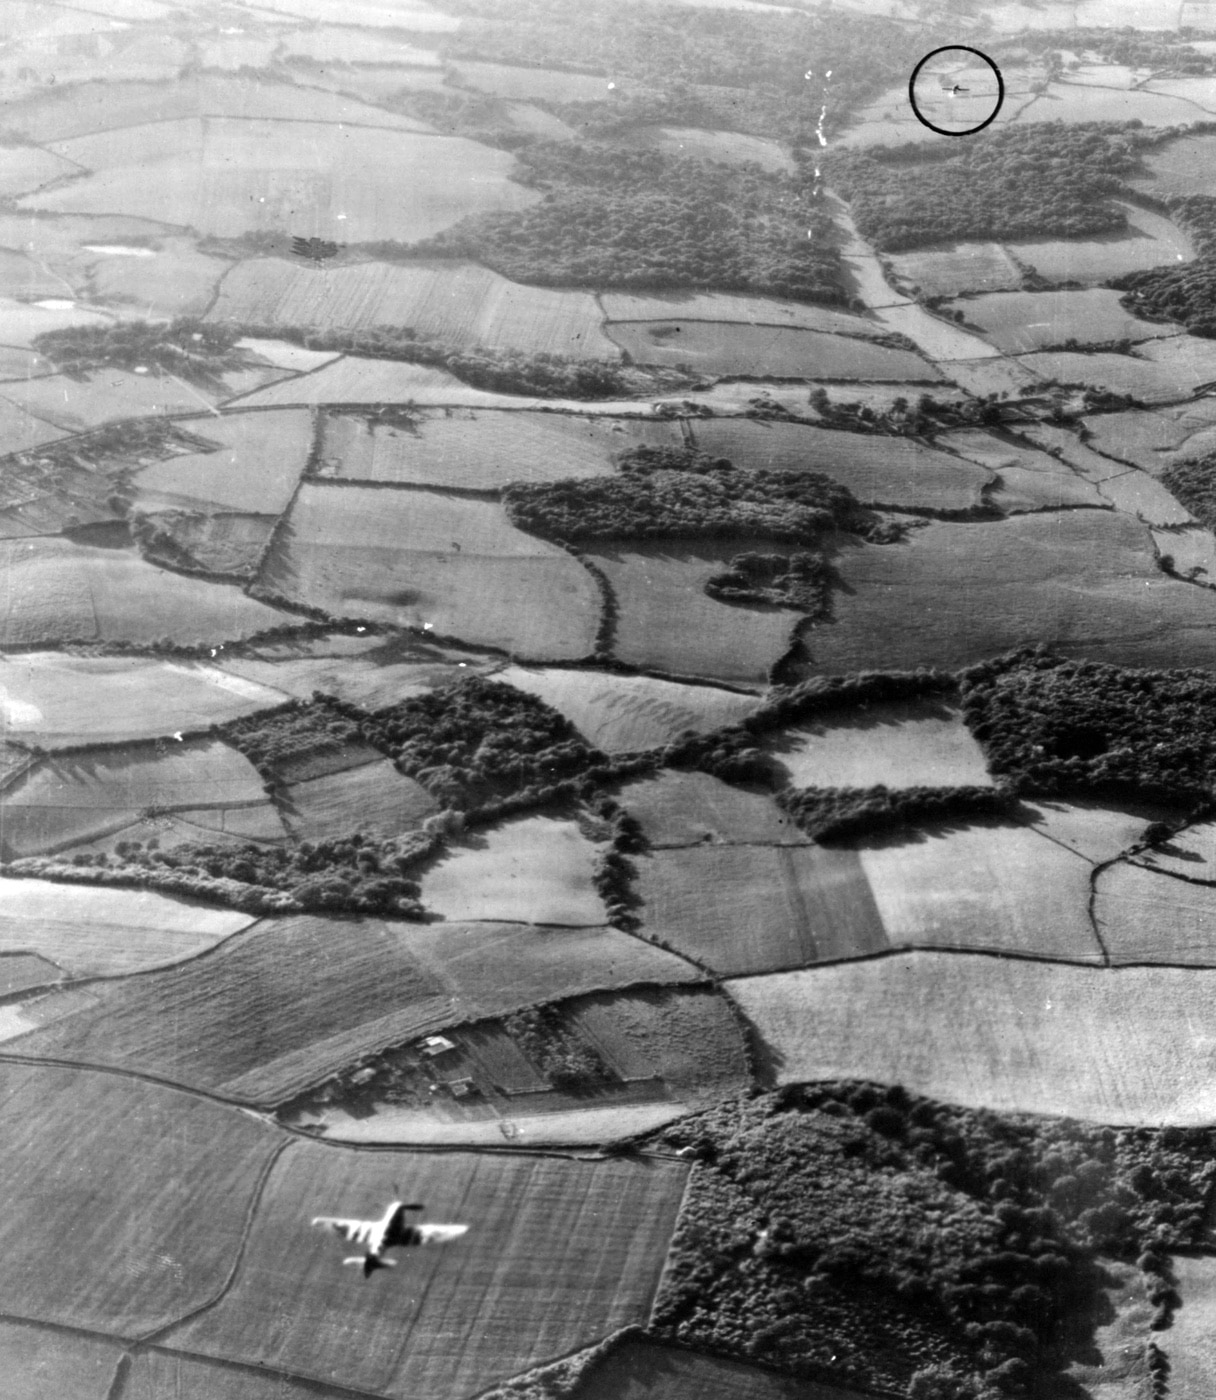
955 90
390 1231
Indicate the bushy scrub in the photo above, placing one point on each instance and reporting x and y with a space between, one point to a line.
701 502
352 874
565 1059
1049 724
613 217
294 730
195 350
863 1234
479 740
1042 180
1194 484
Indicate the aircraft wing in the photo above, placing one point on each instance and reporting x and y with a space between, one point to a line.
368 1233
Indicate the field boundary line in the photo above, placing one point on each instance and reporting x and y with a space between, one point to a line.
904 950
251 1210
119 1382
324 1389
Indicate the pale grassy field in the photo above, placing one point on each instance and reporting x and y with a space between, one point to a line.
1132 1045
668 623
776 352
987 887
1020 322
1093 830
535 870
1149 916
892 471
255 468
374 799
460 304
92 111
295 1000
620 713
126 1172
1188 1343
1151 240
483 451
693 809
61 801
965 267
452 565
749 909
561 1252
108 932
38 1364
1080 581
65 699
52 590
225 176
730 307
923 743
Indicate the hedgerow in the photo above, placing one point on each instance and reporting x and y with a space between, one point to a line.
352 874
838 814
803 1240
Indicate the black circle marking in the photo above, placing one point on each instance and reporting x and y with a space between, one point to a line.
954 48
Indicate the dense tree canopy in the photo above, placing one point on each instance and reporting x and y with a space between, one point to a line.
1045 179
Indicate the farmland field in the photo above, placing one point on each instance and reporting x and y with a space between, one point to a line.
1017 322
1081 581
526 84
537 870
1151 240
57 591
882 470
1131 1045
515 1292
482 451
965 267
1010 891
256 463
747 909
1192 1372
227 177
39 1363
461 304
620 713
1182 166
646 1370
76 404
450 565
131 1164
155 1374
919 743
744 310
295 1000
63 800
1150 916
668 622
766 352
832 802
692 809
95 109
373 798
108 932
